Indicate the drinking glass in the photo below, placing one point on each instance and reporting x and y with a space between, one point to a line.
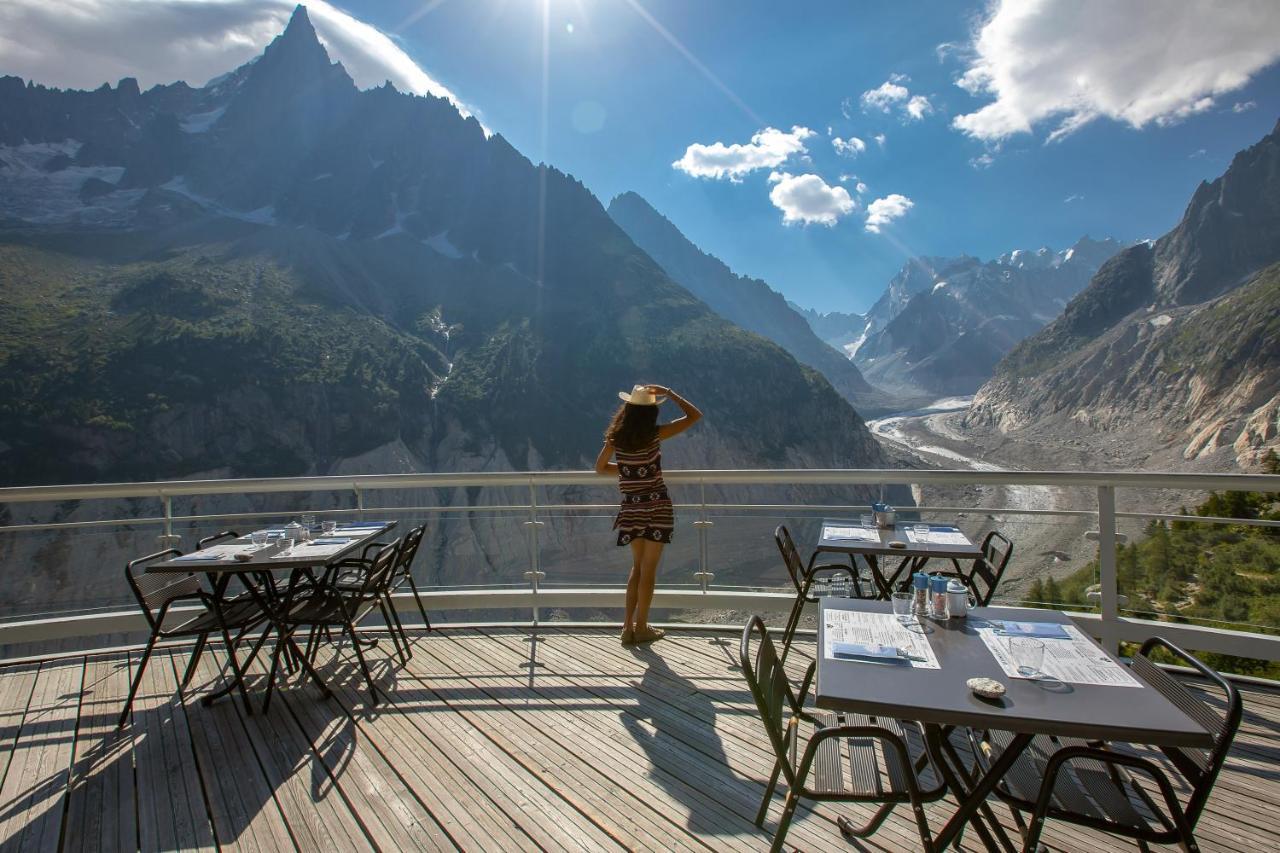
868 520
308 520
258 538
286 544
1027 654
922 532
328 527
902 606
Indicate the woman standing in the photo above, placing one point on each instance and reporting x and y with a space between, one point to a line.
645 520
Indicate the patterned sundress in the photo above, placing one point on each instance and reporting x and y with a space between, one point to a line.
646 511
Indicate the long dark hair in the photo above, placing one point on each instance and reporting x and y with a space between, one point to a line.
633 427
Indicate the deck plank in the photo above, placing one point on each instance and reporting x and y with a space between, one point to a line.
594 746
246 814
317 817
101 810
172 812
32 797
16 684
695 711
605 733
466 812
604 796
547 819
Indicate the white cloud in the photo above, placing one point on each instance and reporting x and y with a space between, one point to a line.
1199 152
879 138
918 107
1073 198
807 199
1073 61
887 94
767 149
851 147
84 43
846 107
982 161
860 188
1243 106
882 211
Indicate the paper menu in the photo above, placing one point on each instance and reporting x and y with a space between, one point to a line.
214 553
851 626
303 550
866 534
1074 660
937 536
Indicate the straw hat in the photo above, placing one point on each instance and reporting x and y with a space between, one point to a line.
640 395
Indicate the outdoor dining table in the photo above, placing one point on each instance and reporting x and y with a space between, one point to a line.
941 701
220 566
913 554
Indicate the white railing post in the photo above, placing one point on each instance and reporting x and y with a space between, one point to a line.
1108 592
704 575
535 574
168 539
355 487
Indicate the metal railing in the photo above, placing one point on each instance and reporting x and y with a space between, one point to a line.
1108 625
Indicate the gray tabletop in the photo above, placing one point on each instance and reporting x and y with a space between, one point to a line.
264 560
882 548
1129 714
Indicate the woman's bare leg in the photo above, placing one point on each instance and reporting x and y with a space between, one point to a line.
633 584
648 576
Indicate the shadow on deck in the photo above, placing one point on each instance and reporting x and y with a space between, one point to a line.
489 740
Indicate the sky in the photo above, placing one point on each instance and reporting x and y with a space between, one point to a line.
816 145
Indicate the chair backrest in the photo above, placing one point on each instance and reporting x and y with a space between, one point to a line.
770 688
790 556
209 540
409 549
989 568
1199 766
155 591
377 579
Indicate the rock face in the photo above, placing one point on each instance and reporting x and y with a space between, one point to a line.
280 272
747 302
1181 335
943 323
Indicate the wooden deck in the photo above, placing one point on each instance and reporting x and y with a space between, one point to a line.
586 746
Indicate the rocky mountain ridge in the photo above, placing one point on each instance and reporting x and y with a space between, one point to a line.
1174 340
283 242
747 302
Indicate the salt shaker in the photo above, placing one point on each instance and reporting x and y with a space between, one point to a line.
938 597
957 599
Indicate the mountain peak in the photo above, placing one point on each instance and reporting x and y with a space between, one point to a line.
300 27
298 46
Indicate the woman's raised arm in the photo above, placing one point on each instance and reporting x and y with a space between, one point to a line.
691 414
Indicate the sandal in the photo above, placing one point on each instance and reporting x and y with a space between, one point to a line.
649 635
628 637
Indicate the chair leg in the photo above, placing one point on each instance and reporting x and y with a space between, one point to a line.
391 630
368 677
793 623
418 598
399 626
271 673
768 793
137 680
195 659
239 673
784 822
848 830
